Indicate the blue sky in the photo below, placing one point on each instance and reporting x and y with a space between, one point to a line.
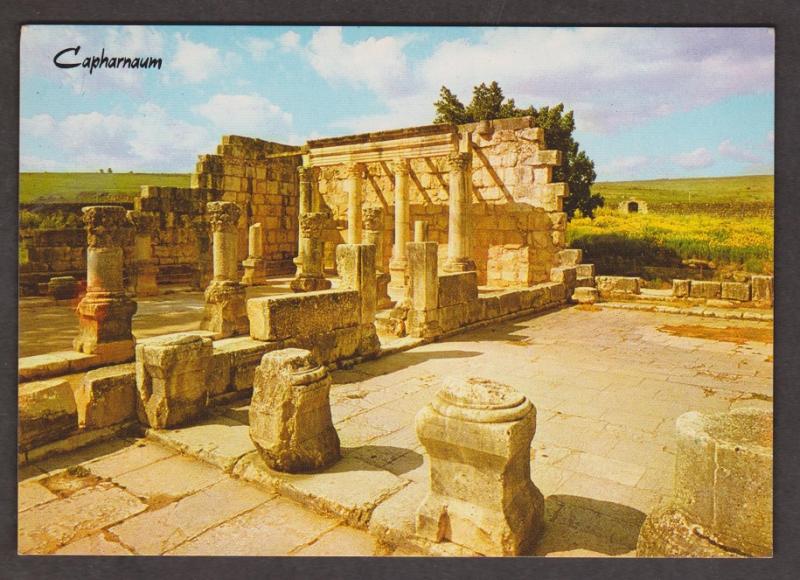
649 102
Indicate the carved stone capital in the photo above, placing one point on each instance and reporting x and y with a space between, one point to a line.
223 215
372 218
103 225
458 161
312 224
356 170
401 166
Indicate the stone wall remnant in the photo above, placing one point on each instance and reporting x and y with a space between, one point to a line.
225 311
722 500
255 267
290 413
478 436
145 270
105 312
356 266
171 375
423 289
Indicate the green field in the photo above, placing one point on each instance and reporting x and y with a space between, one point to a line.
702 190
90 187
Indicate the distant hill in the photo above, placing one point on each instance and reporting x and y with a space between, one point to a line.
700 190
91 187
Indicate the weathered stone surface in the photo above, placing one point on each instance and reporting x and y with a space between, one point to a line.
225 312
62 287
680 288
585 295
302 315
423 289
705 289
723 488
245 355
763 290
617 285
478 434
106 396
736 291
567 275
47 412
457 288
585 270
570 257
171 379
290 414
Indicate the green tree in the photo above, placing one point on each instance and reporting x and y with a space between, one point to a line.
488 102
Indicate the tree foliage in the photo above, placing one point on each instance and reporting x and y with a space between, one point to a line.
488 102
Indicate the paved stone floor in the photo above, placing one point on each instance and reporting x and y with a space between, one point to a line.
608 386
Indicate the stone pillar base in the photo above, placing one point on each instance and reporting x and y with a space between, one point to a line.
666 533
226 309
382 281
144 283
397 273
290 413
459 265
255 272
105 325
309 284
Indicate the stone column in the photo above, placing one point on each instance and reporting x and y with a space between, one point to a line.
458 239
203 270
144 267
310 275
225 309
255 267
105 312
356 266
171 378
399 262
420 231
355 175
306 200
373 234
423 289
478 434
290 413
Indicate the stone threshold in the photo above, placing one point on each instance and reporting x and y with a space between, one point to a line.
728 314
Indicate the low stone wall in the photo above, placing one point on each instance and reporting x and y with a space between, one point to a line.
611 287
759 290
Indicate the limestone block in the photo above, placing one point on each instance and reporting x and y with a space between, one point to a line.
704 289
245 355
763 289
47 412
680 288
548 157
298 315
423 275
510 302
723 488
585 295
106 396
218 377
617 285
457 288
171 378
736 291
585 282
290 414
570 257
477 434
225 312
567 275
62 287
355 264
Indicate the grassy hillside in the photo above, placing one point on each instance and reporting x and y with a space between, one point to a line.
703 190
89 187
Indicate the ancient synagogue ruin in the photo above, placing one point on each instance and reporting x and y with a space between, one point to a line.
385 241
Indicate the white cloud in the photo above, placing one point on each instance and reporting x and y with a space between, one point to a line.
611 77
626 165
737 153
148 140
257 47
377 63
289 40
245 115
697 159
196 61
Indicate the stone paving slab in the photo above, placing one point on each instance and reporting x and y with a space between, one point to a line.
170 478
218 440
350 489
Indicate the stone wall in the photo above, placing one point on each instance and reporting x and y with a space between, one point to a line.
517 223
265 189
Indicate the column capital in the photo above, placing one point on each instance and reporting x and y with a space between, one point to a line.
103 225
356 169
458 161
143 223
401 166
305 172
223 215
312 224
372 218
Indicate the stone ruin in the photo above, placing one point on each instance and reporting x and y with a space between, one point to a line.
632 206
336 214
